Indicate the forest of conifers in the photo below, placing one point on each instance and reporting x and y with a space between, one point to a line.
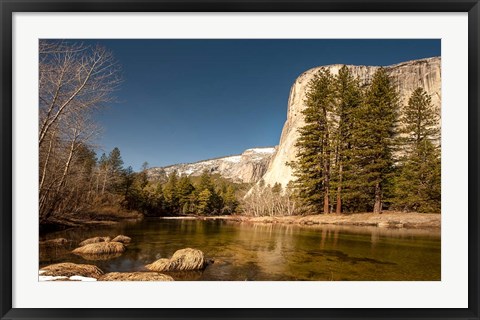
360 150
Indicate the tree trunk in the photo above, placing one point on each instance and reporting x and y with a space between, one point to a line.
104 180
45 165
377 208
68 162
326 168
339 190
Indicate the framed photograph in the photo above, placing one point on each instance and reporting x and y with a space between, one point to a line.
236 159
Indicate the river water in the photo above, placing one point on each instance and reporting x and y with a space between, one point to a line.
247 252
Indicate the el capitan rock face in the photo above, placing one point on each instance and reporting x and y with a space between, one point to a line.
407 76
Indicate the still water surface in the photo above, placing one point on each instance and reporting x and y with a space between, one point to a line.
243 251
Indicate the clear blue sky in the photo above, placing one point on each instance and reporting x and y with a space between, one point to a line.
189 100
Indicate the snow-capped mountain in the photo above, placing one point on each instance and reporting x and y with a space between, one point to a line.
247 167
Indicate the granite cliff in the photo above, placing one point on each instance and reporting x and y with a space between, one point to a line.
407 77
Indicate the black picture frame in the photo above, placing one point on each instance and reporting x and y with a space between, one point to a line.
8 7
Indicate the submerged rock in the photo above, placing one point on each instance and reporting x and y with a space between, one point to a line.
94 240
100 248
59 242
122 239
135 276
182 260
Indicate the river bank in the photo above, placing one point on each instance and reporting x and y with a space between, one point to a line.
100 217
388 219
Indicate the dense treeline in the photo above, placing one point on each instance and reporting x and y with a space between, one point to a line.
356 153
181 195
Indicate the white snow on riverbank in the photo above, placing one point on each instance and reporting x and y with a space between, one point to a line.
62 278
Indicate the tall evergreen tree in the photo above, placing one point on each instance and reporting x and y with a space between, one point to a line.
159 204
348 97
184 192
115 161
205 202
115 171
129 192
214 204
373 133
170 193
229 200
312 165
205 182
417 186
143 175
419 120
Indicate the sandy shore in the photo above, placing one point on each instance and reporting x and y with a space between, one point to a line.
387 219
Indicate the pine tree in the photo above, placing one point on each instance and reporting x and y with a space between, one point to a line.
371 161
277 188
419 119
115 169
206 182
215 204
115 161
312 165
348 97
230 202
204 204
417 186
184 192
159 203
143 175
170 193
130 198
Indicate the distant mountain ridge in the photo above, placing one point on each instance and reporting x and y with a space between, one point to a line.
247 167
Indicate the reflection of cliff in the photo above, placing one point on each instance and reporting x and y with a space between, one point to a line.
408 76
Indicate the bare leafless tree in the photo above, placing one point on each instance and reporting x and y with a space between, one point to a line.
267 201
75 81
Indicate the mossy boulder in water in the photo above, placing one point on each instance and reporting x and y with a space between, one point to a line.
182 260
122 239
100 248
94 240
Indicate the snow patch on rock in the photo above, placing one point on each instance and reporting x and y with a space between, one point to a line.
247 167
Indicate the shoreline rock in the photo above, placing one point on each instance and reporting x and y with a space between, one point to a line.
66 270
